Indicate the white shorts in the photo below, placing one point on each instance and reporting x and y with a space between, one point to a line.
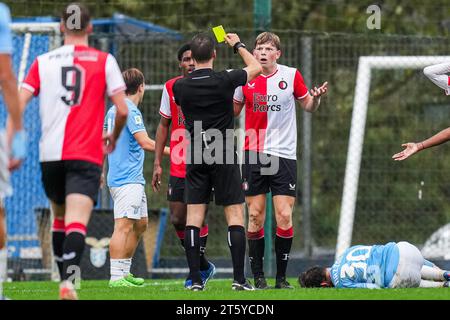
410 264
130 201
5 187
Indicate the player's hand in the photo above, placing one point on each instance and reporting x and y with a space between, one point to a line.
318 92
231 39
18 149
410 149
109 143
156 180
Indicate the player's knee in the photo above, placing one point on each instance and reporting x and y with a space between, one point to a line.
256 218
256 208
284 217
141 226
124 228
178 221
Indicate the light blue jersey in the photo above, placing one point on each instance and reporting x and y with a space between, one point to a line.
5 31
5 35
126 162
366 266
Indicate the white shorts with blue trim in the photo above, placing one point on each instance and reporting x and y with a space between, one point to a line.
130 201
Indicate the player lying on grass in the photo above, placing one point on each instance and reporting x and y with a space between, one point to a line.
438 74
394 265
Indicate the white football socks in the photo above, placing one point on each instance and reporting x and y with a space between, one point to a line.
127 267
3 268
431 284
432 273
120 268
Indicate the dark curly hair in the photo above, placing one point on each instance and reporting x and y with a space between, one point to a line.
185 47
313 277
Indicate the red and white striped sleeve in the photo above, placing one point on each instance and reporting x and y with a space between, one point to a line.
164 109
438 74
114 79
32 81
300 89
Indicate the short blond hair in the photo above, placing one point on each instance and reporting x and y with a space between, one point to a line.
268 37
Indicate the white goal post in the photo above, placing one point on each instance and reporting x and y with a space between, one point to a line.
360 104
28 28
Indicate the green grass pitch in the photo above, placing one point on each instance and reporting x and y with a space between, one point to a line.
217 289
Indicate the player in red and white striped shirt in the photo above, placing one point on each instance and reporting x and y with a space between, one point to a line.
271 137
71 82
171 115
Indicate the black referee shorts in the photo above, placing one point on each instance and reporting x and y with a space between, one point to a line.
176 188
281 182
61 178
224 179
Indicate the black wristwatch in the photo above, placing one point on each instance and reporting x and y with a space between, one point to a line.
237 46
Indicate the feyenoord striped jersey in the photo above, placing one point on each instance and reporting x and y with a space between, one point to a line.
71 82
270 117
170 110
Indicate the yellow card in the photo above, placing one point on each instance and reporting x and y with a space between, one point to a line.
219 32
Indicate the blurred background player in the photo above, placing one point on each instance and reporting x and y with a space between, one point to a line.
127 184
206 99
439 75
271 136
12 145
71 82
394 265
171 114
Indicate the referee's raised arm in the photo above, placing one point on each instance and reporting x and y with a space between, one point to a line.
253 67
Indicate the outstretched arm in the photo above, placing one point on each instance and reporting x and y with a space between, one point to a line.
311 101
253 67
414 147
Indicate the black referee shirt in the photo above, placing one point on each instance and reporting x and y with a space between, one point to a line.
207 96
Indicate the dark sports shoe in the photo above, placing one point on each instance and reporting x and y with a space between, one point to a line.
246 286
261 283
206 275
447 275
282 284
197 287
446 284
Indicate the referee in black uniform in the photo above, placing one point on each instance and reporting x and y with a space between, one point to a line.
206 100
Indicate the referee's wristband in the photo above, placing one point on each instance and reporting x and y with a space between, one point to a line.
238 45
